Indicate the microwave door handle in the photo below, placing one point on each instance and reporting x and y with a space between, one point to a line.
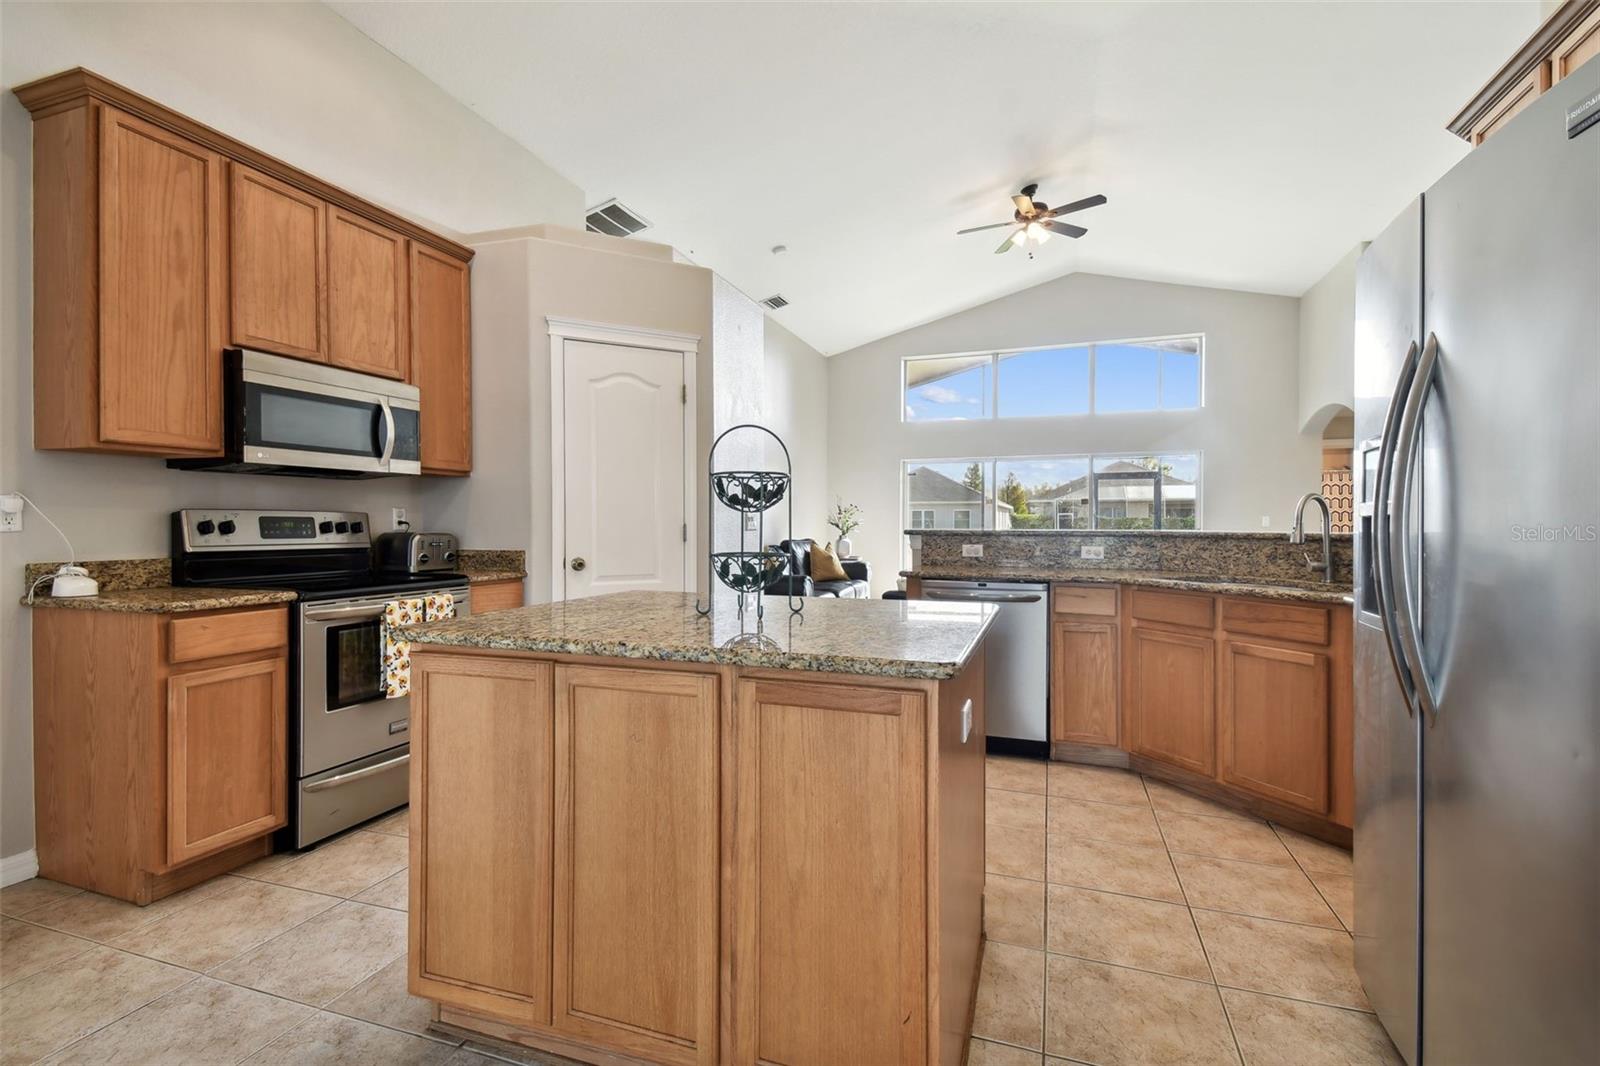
1400 485
388 433
1383 563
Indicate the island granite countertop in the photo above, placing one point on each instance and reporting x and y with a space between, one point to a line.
1275 589
883 638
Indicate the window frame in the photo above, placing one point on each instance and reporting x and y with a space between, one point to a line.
995 356
954 511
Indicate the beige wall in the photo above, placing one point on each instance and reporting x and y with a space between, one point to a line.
1254 461
1327 346
296 81
796 408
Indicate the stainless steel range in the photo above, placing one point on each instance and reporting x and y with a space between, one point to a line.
348 744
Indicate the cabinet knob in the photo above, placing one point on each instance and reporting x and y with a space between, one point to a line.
578 563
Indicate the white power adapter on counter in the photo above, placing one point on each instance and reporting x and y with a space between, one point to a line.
70 579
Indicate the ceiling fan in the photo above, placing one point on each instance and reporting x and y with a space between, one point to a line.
1036 221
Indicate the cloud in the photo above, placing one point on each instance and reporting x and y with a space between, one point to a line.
941 394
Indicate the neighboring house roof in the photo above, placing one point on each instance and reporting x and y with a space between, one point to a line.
930 486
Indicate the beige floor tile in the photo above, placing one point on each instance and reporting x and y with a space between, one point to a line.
345 866
24 896
392 892
1340 892
383 1000
988 1053
1223 838
1104 821
1165 797
1126 868
1119 1017
50 1009
1010 1003
497 1052
396 824
1103 784
1014 852
1253 888
1143 933
204 1021
103 919
261 867
229 923
1013 911
27 949
465 1056
324 958
1273 1031
1014 774
1316 856
331 1040
1020 810
1281 959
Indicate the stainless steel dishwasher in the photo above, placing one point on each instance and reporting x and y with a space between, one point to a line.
1016 660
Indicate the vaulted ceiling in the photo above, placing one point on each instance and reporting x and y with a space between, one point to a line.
1241 145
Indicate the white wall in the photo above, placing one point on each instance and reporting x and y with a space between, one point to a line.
1327 346
1254 461
294 80
796 409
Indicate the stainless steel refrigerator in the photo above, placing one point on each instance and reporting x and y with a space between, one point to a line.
1477 386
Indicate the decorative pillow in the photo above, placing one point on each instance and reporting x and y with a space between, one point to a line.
825 564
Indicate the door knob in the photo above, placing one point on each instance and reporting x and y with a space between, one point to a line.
578 563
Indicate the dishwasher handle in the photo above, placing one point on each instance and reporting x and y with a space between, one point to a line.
982 596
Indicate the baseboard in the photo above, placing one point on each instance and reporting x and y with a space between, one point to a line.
20 867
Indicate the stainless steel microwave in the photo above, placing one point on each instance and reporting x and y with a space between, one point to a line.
286 416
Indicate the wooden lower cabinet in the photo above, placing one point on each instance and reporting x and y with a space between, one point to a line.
496 596
1083 682
1171 708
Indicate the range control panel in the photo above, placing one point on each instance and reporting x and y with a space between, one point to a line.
216 530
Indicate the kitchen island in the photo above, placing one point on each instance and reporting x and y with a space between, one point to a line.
641 834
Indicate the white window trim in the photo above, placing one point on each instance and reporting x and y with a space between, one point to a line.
961 511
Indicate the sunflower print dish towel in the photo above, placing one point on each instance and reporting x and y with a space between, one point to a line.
397 615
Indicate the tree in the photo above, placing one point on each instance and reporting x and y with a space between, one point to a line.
1014 494
973 478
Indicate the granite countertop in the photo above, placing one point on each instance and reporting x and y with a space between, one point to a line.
1303 591
166 599
882 638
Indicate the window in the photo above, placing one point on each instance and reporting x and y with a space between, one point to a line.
1161 374
1054 492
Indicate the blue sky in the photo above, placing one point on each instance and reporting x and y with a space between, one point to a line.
1056 382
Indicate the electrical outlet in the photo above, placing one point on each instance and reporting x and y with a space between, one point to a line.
1266 521
10 513
397 515
1092 551
972 551
749 522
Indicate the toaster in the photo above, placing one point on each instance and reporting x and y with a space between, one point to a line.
404 552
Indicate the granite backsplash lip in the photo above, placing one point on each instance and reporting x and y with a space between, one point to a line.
1301 591
1219 534
881 638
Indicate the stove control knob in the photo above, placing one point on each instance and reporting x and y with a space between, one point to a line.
205 527
341 527
324 527
225 527
358 527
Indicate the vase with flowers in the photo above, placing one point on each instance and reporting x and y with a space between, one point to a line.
846 518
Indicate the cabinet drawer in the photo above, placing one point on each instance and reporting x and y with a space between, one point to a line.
210 636
1077 599
1286 621
1174 608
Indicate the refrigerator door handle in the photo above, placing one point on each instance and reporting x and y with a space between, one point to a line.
1406 441
1383 561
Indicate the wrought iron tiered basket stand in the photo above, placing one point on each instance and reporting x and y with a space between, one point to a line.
749 571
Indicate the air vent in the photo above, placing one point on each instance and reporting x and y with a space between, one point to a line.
773 302
614 220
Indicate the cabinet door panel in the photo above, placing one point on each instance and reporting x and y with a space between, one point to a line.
1272 732
441 359
830 780
1172 697
279 266
636 860
227 778
162 269
1083 680
367 296
481 821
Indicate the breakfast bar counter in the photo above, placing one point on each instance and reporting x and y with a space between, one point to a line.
645 834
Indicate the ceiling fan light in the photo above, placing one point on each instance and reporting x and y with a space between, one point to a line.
1038 232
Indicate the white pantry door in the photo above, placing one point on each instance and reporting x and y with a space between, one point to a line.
624 469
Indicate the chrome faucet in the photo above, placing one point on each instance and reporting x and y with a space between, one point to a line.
1297 534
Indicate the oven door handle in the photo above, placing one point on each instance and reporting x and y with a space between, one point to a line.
329 614
357 775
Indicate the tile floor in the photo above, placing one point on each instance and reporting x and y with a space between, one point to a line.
1134 924
293 959
1128 923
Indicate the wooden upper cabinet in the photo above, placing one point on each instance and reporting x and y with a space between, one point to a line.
1083 681
279 266
367 296
1273 723
1576 48
1568 37
1171 710
441 358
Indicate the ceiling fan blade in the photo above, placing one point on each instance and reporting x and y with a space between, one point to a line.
975 229
1066 229
1024 204
1076 205
1010 242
